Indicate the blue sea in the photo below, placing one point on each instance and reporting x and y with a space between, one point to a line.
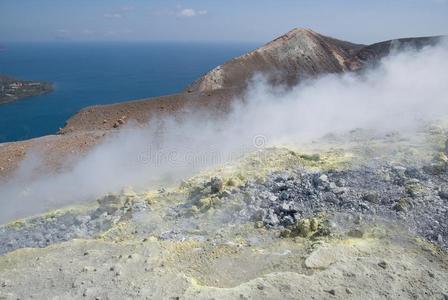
86 74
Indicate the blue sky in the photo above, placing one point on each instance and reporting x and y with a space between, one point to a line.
218 20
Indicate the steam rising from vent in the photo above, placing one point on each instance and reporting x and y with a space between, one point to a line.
406 88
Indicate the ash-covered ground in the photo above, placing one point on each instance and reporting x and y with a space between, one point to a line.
359 215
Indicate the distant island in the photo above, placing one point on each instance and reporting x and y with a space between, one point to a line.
12 89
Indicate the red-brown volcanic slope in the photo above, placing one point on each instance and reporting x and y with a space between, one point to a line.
288 59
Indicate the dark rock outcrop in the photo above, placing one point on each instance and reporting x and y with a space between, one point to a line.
372 54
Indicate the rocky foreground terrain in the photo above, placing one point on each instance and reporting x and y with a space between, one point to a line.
355 215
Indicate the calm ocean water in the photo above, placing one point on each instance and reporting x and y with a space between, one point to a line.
85 74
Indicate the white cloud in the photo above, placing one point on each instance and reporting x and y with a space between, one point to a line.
119 13
113 16
189 12
127 8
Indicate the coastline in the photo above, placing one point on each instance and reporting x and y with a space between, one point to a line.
13 89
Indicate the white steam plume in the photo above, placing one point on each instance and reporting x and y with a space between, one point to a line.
405 87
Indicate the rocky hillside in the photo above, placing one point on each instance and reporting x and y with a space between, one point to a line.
300 54
297 55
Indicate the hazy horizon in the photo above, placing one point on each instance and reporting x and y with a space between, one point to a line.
230 21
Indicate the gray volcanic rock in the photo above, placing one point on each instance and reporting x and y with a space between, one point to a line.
376 191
